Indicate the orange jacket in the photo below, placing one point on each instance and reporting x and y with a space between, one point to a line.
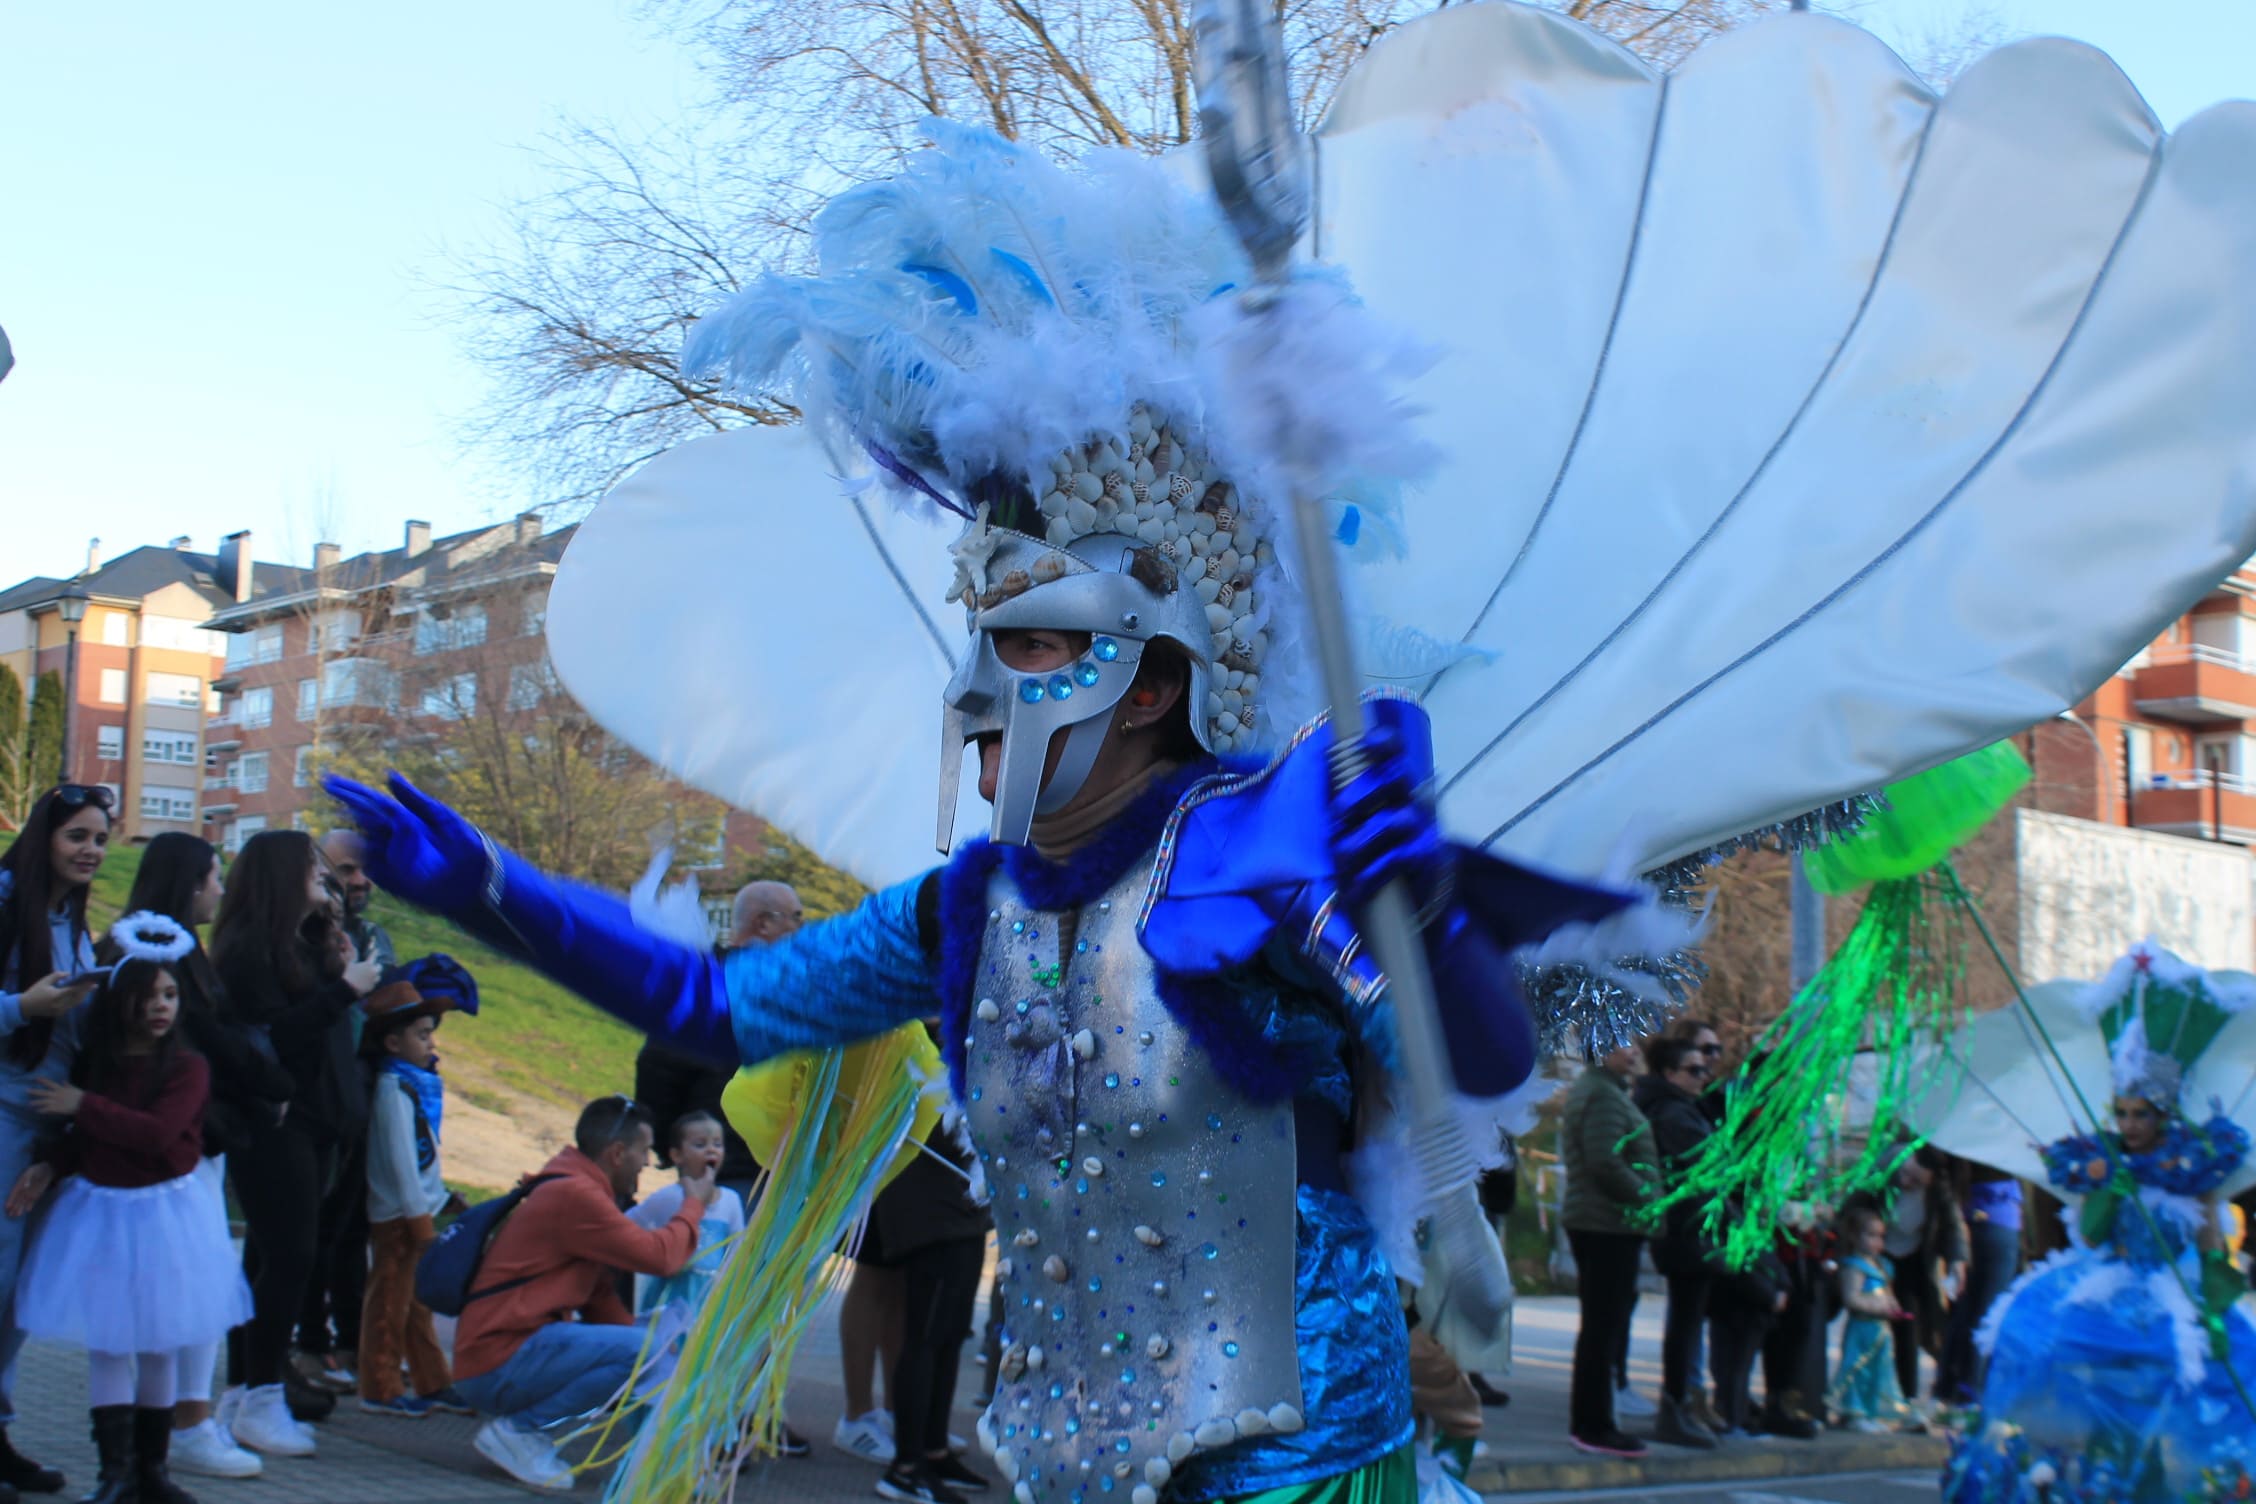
566 1239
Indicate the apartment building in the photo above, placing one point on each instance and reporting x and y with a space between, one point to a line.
2168 745
137 671
388 642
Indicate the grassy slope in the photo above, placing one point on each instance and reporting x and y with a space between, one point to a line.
530 1035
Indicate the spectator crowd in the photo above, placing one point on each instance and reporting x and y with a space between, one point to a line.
247 1042
247 1046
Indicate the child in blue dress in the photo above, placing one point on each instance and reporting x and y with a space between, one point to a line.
1865 1393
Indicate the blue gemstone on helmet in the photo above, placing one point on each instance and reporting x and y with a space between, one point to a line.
1031 691
1105 649
1061 688
1087 673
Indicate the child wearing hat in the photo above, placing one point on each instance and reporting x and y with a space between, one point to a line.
405 1190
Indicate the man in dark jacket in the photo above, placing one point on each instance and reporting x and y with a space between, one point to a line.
1612 1175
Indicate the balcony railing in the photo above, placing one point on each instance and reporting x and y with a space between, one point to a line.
2202 778
2196 652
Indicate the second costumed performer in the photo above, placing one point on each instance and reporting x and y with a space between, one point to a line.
1168 1039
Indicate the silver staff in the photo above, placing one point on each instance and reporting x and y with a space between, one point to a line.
1254 152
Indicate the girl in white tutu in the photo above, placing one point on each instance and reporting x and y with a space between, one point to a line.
131 1262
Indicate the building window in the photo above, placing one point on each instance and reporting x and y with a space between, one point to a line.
113 686
250 772
167 804
175 747
460 627
358 681
259 645
243 829
332 632
452 699
536 615
255 707
301 772
309 699
109 743
114 629
184 690
529 684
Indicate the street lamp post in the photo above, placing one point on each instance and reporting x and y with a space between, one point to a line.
71 606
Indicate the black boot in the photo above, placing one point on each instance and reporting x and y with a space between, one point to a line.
308 1402
113 1439
152 1443
20 1472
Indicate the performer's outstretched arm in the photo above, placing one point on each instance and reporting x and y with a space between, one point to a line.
843 979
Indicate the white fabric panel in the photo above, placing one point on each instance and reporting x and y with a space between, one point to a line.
1479 178
1764 226
725 612
2045 567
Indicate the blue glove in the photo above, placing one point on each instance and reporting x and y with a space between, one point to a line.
418 849
1382 829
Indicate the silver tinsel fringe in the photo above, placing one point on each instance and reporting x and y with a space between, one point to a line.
1576 1011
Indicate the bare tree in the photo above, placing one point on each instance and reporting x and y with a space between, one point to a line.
578 313
482 721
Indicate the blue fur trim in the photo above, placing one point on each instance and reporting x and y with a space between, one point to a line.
963 929
1084 876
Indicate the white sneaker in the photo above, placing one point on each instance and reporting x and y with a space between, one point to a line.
210 1452
527 1456
230 1405
264 1424
1628 1401
869 1437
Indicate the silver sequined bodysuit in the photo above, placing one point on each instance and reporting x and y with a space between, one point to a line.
1145 1213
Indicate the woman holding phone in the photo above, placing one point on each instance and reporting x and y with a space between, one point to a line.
46 975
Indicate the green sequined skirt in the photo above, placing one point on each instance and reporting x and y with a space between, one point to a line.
1393 1479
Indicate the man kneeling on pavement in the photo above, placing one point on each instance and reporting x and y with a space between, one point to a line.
554 1340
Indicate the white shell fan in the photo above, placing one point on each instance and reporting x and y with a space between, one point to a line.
1801 432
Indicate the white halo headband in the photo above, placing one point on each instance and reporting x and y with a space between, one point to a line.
149 936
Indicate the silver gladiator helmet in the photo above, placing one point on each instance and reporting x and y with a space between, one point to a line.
1137 543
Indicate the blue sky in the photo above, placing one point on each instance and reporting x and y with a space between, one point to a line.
218 224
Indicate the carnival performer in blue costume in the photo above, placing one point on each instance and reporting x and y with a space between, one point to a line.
2123 1369
1170 1044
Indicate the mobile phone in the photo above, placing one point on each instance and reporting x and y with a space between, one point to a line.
81 978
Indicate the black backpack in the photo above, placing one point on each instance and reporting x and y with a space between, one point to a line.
449 1267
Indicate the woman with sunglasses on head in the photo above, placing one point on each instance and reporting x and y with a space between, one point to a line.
286 976
179 877
46 976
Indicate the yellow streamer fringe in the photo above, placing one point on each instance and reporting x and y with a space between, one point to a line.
832 1127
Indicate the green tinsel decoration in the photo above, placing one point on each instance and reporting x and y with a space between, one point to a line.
1780 1150
1892 987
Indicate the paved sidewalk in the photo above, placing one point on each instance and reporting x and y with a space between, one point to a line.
366 1459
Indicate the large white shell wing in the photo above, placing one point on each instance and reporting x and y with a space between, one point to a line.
1803 431
745 619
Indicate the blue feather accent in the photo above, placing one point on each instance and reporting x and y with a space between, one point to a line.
949 283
